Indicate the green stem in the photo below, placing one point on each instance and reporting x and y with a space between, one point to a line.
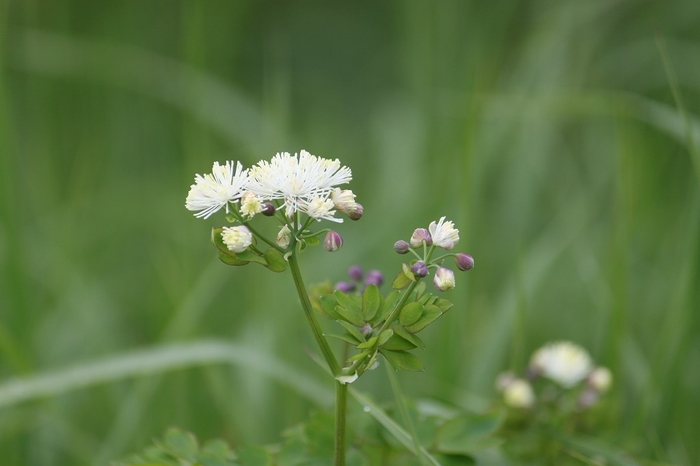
341 395
310 316
341 390
395 312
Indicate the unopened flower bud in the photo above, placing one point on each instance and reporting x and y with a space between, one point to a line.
401 246
237 239
519 394
283 237
600 379
419 235
268 209
464 261
374 277
345 287
366 330
356 211
419 269
355 272
444 279
333 241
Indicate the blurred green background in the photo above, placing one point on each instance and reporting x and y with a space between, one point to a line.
560 136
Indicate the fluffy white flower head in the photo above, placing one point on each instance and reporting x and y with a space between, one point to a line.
519 394
563 362
250 204
213 191
444 234
237 238
320 208
297 180
600 379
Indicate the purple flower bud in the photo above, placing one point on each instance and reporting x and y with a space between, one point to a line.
444 279
268 209
345 287
464 261
355 272
356 211
419 269
366 330
401 246
374 277
419 235
333 241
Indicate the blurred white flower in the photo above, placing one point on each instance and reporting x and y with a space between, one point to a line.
237 238
444 234
346 379
563 362
213 191
250 204
297 180
519 394
600 379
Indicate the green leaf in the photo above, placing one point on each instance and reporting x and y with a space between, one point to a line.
328 303
180 443
387 306
385 336
312 240
369 343
275 260
346 337
254 456
354 331
410 313
468 433
443 304
401 281
402 360
231 260
430 313
348 308
371 300
403 333
397 343
359 356
420 289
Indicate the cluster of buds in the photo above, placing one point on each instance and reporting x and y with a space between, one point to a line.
422 245
566 364
358 278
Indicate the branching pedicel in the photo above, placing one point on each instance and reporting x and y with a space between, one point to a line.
298 191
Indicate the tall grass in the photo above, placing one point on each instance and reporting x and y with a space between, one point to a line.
559 136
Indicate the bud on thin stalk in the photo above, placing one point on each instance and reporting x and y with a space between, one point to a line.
401 247
333 241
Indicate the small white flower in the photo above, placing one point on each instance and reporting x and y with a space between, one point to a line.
444 234
237 238
213 191
563 362
519 394
283 236
297 180
346 379
444 279
344 200
250 204
600 379
320 208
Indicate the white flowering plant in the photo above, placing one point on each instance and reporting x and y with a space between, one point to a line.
561 391
296 192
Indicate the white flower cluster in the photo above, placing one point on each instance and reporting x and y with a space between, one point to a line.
299 183
562 362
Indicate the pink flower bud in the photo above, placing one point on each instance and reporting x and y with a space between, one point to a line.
419 269
374 277
355 272
333 241
420 235
401 246
268 209
444 279
464 261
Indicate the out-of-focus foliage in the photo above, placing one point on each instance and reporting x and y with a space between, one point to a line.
561 137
